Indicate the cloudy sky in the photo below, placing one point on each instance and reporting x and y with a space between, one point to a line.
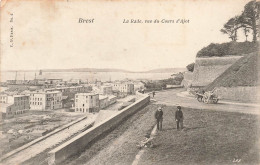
47 35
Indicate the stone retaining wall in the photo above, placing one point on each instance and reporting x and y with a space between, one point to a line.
244 94
80 142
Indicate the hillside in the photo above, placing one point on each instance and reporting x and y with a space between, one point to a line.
227 49
244 72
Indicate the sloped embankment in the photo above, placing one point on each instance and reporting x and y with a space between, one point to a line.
240 81
206 70
244 72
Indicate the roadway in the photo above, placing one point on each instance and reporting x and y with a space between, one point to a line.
173 98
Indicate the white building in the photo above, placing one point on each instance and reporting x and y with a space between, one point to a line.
86 102
138 85
46 100
125 87
14 104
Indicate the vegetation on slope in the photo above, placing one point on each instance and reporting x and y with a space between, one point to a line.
159 84
227 49
242 73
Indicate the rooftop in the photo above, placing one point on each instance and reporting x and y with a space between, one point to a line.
44 92
101 97
86 94
19 95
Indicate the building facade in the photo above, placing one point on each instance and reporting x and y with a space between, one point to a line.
86 102
46 100
12 105
127 88
103 101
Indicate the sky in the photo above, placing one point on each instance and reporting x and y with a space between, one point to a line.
47 35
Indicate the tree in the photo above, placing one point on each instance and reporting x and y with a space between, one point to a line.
250 17
230 28
190 67
242 24
246 31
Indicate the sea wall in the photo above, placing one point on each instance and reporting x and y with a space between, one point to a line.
206 70
81 141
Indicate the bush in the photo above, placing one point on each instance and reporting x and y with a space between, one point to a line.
157 85
229 48
190 67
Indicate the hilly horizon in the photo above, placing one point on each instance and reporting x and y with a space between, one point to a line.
159 70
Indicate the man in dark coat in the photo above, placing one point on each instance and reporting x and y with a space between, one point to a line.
159 118
179 117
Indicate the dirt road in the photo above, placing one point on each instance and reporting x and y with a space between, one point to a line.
170 97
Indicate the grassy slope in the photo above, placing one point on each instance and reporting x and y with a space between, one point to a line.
119 146
209 137
242 73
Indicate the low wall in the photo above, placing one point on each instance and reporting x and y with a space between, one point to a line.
80 142
245 94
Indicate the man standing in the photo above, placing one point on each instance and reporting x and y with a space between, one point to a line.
159 118
153 93
179 117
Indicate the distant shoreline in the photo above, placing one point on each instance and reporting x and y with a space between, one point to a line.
163 70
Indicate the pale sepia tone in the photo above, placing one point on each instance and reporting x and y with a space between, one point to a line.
86 82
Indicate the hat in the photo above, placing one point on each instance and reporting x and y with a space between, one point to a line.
178 107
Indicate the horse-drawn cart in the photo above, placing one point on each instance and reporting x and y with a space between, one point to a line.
208 97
